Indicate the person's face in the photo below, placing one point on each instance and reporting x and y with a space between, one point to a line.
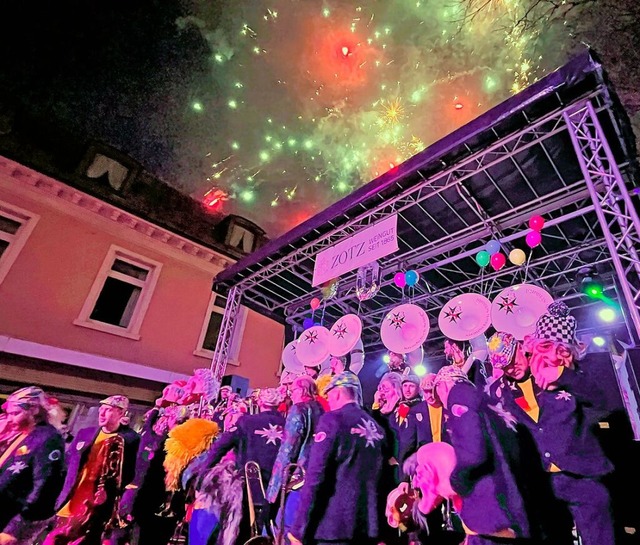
385 389
545 353
224 394
519 366
429 394
17 417
109 417
337 366
410 390
395 360
297 394
311 371
425 481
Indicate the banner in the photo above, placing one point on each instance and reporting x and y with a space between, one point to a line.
365 246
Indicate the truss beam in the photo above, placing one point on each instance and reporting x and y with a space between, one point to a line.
614 207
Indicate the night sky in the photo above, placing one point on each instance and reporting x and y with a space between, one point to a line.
273 109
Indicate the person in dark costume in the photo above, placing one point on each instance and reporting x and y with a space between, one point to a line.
31 467
340 500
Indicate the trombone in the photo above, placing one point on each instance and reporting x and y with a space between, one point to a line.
293 476
292 479
253 476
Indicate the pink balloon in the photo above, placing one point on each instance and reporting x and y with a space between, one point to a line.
533 239
400 280
498 261
315 303
536 223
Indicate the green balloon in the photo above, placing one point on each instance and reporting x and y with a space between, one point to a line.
483 258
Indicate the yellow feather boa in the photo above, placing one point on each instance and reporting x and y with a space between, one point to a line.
184 443
322 382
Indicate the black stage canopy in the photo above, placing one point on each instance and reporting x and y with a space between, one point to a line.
483 181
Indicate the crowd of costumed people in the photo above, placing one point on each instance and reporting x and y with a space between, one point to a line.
497 446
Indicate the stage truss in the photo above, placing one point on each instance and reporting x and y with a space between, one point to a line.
560 149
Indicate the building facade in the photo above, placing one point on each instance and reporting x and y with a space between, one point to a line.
106 290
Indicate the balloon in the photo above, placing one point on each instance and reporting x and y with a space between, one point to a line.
498 261
307 323
411 278
483 258
517 256
330 288
492 247
536 223
315 303
533 238
399 280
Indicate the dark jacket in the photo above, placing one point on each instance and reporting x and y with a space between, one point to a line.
31 478
339 500
78 452
296 444
488 475
146 493
564 432
255 437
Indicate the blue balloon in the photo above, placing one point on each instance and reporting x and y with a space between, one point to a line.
493 247
411 278
308 322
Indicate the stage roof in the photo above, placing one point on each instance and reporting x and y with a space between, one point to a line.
483 181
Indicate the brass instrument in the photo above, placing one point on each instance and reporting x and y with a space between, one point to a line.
253 476
108 483
292 479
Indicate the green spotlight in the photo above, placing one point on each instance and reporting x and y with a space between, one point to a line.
592 289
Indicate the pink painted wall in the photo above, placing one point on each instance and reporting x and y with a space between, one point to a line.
46 288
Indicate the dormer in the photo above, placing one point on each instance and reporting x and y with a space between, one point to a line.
240 233
108 167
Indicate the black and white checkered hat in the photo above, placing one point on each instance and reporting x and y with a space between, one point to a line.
557 324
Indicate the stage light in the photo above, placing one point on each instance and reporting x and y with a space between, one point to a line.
420 370
592 289
607 314
386 358
599 341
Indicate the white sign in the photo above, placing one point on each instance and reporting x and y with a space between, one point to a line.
364 247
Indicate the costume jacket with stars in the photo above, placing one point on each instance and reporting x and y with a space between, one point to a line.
146 492
78 452
296 443
488 474
31 478
255 437
564 431
340 498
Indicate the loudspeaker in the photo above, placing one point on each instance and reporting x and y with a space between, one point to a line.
239 385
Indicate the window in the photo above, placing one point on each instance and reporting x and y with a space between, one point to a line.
15 227
120 294
111 170
211 330
242 238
